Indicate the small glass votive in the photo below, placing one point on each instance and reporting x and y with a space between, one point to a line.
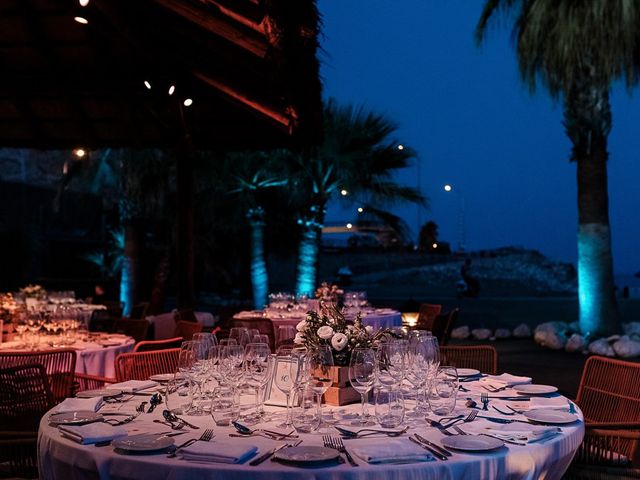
225 407
306 417
389 407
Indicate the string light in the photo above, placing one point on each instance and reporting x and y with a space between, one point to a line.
147 84
188 102
172 89
83 3
81 20
79 152
435 245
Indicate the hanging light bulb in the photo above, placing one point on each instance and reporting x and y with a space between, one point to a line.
81 20
188 102
147 84
79 152
172 89
83 3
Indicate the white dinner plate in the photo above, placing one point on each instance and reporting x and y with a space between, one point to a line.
145 442
472 443
109 343
535 389
74 418
552 417
164 377
101 392
307 455
467 372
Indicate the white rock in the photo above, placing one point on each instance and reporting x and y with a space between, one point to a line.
550 339
460 333
614 338
626 347
522 331
632 328
552 327
574 326
576 343
601 347
481 333
502 333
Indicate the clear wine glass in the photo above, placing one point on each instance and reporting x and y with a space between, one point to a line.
391 364
284 381
362 369
256 367
320 365
285 335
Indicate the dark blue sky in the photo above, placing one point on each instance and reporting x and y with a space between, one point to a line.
476 126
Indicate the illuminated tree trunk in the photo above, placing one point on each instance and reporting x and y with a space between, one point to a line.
259 274
130 275
307 267
588 123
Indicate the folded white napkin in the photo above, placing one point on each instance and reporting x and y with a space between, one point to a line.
553 403
218 452
391 451
131 386
506 379
92 432
517 431
76 404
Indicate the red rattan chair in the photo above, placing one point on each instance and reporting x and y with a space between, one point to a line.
152 345
609 396
186 329
134 328
141 365
480 357
85 381
25 397
60 366
442 325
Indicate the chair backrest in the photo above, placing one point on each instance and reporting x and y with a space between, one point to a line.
480 357
443 324
114 308
609 390
101 321
25 397
134 328
428 313
153 345
186 329
139 311
60 366
141 365
263 325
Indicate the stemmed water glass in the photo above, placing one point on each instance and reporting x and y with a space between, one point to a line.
390 369
231 360
21 326
256 366
320 364
285 335
240 335
362 369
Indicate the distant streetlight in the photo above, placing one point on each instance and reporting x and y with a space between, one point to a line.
434 246
360 209
400 147
344 192
79 152
349 226
461 216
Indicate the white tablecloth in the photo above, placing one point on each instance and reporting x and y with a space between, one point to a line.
61 458
92 357
165 325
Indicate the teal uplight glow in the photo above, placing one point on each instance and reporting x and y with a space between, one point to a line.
126 287
259 275
307 256
594 278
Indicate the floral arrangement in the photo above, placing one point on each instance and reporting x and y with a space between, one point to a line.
330 327
33 291
326 291
8 307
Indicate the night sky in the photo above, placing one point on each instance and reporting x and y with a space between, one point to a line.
476 126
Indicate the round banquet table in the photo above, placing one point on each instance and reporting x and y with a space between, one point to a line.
96 357
61 458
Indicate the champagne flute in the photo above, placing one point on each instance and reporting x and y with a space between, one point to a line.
284 381
362 369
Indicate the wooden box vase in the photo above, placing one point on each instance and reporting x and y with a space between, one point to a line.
340 392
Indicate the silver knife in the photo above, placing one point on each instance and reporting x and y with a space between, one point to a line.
269 454
444 451
428 448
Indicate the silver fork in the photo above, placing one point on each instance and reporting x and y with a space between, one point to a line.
205 437
493 389
514 410
484 398
336 444
469 418
502 412
130 418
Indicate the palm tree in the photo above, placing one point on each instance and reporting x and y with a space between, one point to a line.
356 159
252 173
577 49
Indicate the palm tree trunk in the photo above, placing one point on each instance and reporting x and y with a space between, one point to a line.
130 276
307 267
259 273
588 122
160 283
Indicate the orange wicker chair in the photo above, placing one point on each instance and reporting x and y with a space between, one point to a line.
609 396
186 329
25 397
60 366
85 381
480 357
141 365
443 324
428 313
134 328
152 345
